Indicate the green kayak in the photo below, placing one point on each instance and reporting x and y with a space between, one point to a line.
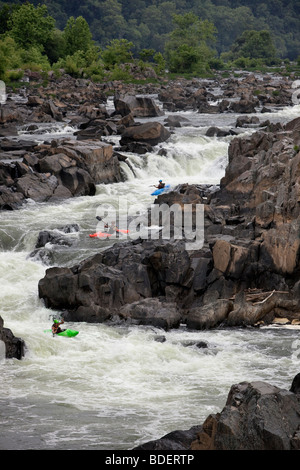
67 332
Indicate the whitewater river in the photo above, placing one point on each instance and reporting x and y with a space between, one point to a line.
113 388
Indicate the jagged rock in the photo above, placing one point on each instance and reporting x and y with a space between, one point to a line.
256 416
14 347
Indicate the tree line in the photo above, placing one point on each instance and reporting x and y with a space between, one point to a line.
31 37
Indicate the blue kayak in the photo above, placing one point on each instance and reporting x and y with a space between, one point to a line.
159 191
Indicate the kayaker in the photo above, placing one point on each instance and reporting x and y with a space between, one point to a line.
108 228
56 326
161 185
112 228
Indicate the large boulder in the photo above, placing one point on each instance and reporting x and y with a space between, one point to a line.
10 345
137 106
151 132
257 416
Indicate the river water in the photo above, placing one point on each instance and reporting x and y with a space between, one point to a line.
111 387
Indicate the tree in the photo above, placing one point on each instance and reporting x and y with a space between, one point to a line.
188 48
5 16
117 52
30 26
77 35
254 45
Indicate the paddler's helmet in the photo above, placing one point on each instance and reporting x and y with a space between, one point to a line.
56 321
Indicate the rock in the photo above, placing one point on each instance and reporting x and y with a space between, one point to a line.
152 312
215 131
256 416
102 289
176 121
208 316
137 106
7 145
295 387
176 440
96 158
244 105
8 113
56 237
38 187
10 199
14 347
8 130
151 132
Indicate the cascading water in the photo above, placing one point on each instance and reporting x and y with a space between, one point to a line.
116 387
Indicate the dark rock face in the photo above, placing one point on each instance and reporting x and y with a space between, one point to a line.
14 347
118 282
256 416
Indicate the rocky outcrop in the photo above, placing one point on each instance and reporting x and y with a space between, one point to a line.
247 94
10 345
256 416
56 171
247 271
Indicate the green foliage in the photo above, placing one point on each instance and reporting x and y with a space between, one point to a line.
55 47
119 72
32 58
13 58
147 24
255 45
30 26
117 52
160 63
77 35
185 36
5 16
81 63
187 49
147 54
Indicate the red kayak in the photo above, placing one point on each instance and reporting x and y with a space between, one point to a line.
106 234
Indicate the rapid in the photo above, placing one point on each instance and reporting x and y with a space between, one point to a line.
116 387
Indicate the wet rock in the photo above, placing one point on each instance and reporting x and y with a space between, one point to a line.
10 199
14 347
256 416
151 132
175 440
215 131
